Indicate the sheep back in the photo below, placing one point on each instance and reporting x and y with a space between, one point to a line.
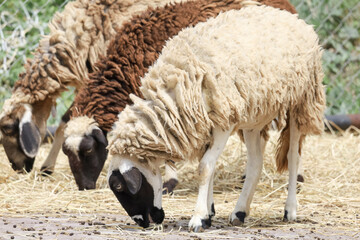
244 67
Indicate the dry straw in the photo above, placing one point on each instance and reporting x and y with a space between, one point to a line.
329 198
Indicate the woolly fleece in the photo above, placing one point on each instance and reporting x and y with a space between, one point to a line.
244 67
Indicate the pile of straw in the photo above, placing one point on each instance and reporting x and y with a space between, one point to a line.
329 198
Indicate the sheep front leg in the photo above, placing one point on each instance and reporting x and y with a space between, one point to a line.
293 164
253 171
202 216
211 207
49 164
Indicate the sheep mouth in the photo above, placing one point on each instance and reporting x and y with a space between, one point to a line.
155 215
142 220
26 167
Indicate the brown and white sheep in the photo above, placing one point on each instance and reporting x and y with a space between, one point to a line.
106 94
238 71
78 37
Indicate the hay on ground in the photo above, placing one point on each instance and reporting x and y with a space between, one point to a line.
329 197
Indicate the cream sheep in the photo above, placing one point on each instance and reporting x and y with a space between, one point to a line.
235 72
78 37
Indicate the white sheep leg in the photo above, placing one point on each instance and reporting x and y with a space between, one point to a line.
263 143
293 158
211 207
253 171
201 218
49 164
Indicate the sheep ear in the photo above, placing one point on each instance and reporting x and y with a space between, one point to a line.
30 138
99 136
133 180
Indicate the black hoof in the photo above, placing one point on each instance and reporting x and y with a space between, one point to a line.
170 185
240 220
300 178
285 216
46 171
212 211
206 223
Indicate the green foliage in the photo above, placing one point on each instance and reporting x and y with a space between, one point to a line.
338 23
22 24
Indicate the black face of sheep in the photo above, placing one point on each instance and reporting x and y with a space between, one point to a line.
21 138
88 161
136 196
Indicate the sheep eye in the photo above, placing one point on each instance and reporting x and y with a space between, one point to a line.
8 129
89 151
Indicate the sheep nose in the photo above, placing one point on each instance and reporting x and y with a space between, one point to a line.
15 167
87 186
29 163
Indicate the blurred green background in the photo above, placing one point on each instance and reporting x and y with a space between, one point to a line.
22 22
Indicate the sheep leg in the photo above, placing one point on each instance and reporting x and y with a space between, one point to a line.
253 171
211 207
293 164
201 218
49 164
170 179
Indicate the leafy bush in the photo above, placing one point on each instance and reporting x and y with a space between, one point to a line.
337 22
22 24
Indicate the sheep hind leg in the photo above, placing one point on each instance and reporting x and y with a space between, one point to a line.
293 164
263 143
253 171
49 164
200 219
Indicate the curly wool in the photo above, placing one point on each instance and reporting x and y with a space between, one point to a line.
244 67
135 48
78 37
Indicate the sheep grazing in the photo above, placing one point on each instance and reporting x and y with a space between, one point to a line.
106 94
238 71
78 37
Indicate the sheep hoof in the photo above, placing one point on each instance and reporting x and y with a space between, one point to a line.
198 224
170 185
45 171
238 219
289 216
300 178
206 223
197 229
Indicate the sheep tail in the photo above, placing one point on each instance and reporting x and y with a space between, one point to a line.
283 147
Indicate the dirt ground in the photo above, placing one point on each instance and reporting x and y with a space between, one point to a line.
37 207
